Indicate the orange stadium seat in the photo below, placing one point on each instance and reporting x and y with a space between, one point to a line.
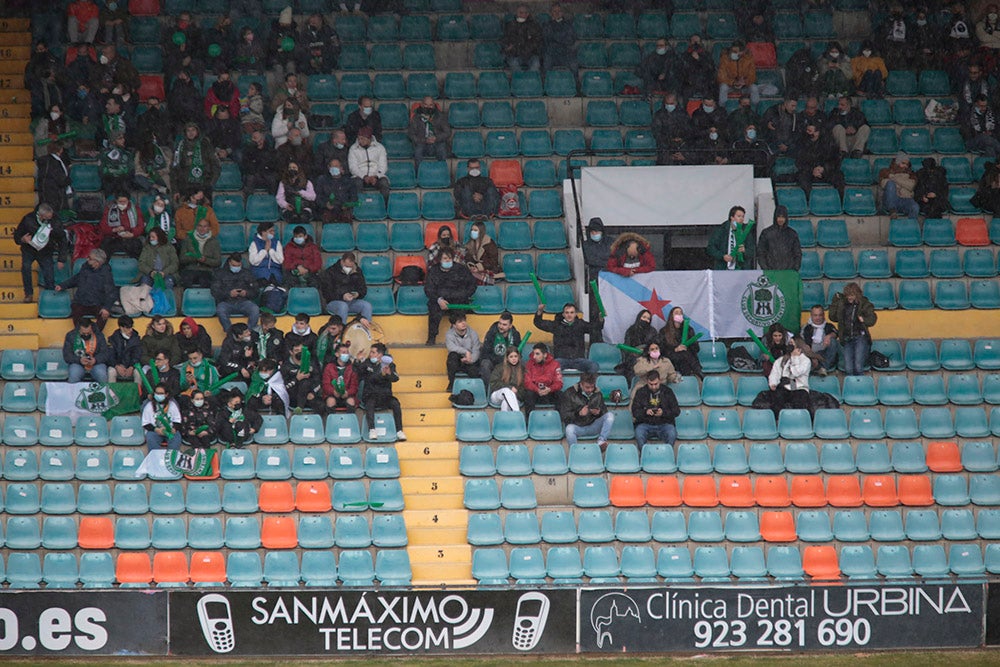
972 232
627 492
736 491
772 491
777 527
663 491
276 497
807 491
313 497
821 562
170 567
506 172
431 233
843 491
208 567
279 532
944 457
402 261
699 491
96 532
880 491
915 490
133 568
151 85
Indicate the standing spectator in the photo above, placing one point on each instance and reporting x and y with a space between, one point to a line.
85 351
724 247
659 70
476 194
835 71
282 48
303 261
161 420
378 374
200 256
543 380
778 248
158 265
482 255
95 290
654 409
673 132
897 38
124 352
569 337
334 148
184 102
82 22
42 239
364 116
559 42
160 338
463 347
506 382
259 164
738 72
234 290
979 129
194 210
117 165
849 128
500 337
343 288
340 382
122 227
584 413
369 163
428 132
818 161
249 57
296 197
822 339
288 116
631 254
596 249
926 41
699 72
782 127
898 183
320 47
755 19
856 316
195 165
522 41
931 192
447 282
869 72
336 193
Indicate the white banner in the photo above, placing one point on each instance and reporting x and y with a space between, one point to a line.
78 399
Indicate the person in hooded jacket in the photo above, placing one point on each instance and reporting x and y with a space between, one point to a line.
639 335
236 422
336 192
340 382
931 192
631 254
301 333
683 357
193 336
303 262
239 353
377 374
222 93
596 248
160 336
778 247
302 384
856 316
447 282
343 289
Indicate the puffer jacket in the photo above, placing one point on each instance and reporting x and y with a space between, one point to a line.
617 260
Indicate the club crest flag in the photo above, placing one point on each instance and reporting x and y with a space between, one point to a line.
720 304
87 399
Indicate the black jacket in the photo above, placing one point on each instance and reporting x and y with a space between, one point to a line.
56 246
235 355
94 287
334 283
572 401
125 352
645 399
653 65
375 385
259 160
568 340
495 344
822 152
341 188
226 281
671 128
779 247
853 118
456 285
355 121
52 180
201 342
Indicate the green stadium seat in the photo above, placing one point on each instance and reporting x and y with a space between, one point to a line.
878 112
856 171
353 86
460 86
934 82
494 85
832 233
901 83
883 141
537 173
839 265
951 295
596 84
945 263
904 233
354 58
652 25
718 26
606 140
382 28
619 26
959 200
859 202
525 84
948 141
602 113
414 28
437 206
984 294
794 199
874 264
911 264
979 263
565 141
497 114
915 140
592 55
466 145
939 232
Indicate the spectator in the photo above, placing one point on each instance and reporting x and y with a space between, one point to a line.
849 128
193 336
259 165
369 163
267 393
640 334
927 43
340 382
86 352
52 180
289 116
778 341
822 339
364 116
988 31
184 103
835 71
195 165
240 353
330 336
738 72
463 348
303 261
197 374
117 76
301 333
506 382
237 422
788 379
428 132
234 290
659 70
303 382
42 239
198 422
124 352
987 195
631 254
522 41
750 149
47 102
869 72
151 167
673 132
296 150
596 248
222 94
653 359
225 134
335 147
979 129
377 375
183 51
684 357
569 337
283 51
708 116
336 193
343 288
445 239
249 56
724 246
856 316
743 116
447 282
117 165
898 183
95 290
122 227
482 256
755 19
252 110
194 210
818 161
778 248
782 127
812 114
699 72
292 92
712 147
584 413
217 46
158 265
296 196
161 419
500 337
931 192
158 217
543 380
160 338
476 194
320 47
559 42
82 22
654 409
269 342
896 38
266 257
113 122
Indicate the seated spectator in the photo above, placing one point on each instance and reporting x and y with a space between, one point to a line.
654 409
782 127
249 56
500 337
252 109
980 129
659 70
285 118
896 38
237 423
296 149
788 379
971 88
364 116
778 341
182 45
198 421
673 132
270 340
738 72
340 382
698 71
195 165
198 374
713 147
161 419
282 47
559 42
160 337
684 357
818 161
931 192
122 227
86 352
259 164
755 19
193 336
151 167
160 371
856 316
217 46
303 380
522 41
988 31
267 394
543 380
240 353
225 134
117 165
506 382
200 256
653 359
196 208
117 76
266 256
708 115
158 261
778 248
52 181
869 72
476 194
95 293
42 239
482 255
742 116
750 149
159 217
926 45
336 193
296 197
184 102
83 21
334 148
291 91
377 374
320 46
343 288
569 337
812 114
849 128
463 348
898 183
234 290
428 131
447 282
584 413
303 261
596 248
444 240
222 94
329 337
724 246
822 339
639 334
369 163
835 73
630 255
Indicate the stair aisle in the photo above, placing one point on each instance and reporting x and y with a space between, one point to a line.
436 520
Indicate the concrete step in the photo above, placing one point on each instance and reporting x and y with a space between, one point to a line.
447 518
18 149
21 191
13 106
459 574
443 553
437 503
419 434
16 170
419 356
10 38
429 468
16 341
16 124
432 485
431 417
429 450
15 25
409 400
429 537
419 382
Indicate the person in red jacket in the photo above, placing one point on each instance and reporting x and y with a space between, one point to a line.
122 227
340 382
222 93
82 21
542 378
631 254
303 261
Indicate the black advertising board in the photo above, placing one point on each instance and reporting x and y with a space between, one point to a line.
83 623
781 618
993 615
350 622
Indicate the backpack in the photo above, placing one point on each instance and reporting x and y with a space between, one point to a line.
411 275
877 359
510 203
273 299
740 360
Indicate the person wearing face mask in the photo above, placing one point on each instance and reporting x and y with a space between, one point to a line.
53 123
249 54
931 192
596 248
151 168
698 71
751 149
195 208
340 383
755 19
225 134
296 196
926 42
283 48
779 248
522 41
368 163
158 264
200 256
240 352
673 131
743 115
235 289
569 337
343 288
198 420
197 374
82 21
195 165
869 72
988 30
114 18
155 123
124 352
267 394
482 255
161 420
818 161
86 352
301 333
737 71
559 40
683 357
476 194
165 374
193 336
445 239
302 381
336 147
252 109
266 256
366 115
659 70
122 227
849 128
856 316
158 216
377 376
303 261
115 72
41 237
463 346
713 147
296 150
653 359
428 131
116 164
448 282
639 335
289 115
95 293
336 193
259 164
183 102
835 73
222 93
236 422
630 255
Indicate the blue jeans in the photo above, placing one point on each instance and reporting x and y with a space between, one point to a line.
665 432
829 354
155 441
582 365
892 202
99 373
439 150
601 428
343 308
855 355
226 309
986 144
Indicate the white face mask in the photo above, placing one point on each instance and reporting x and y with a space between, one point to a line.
366 111
661 51
347 269
122 207
474 234
104 60
159 208
54 115
867 53
522 19
338 146
834 54
734 56
713 136
475 172
198 402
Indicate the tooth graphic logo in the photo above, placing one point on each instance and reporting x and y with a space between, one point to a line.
216 619
529 621
607 610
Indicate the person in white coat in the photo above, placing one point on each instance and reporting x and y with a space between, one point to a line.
368 163
288 116
789 378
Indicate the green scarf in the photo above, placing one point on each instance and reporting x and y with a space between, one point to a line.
323 345
197 171
161 220
163 419
204 376
257 385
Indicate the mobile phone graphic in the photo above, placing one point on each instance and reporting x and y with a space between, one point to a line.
216 620
529 621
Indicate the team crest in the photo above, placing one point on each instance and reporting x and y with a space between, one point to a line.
97 398
762 302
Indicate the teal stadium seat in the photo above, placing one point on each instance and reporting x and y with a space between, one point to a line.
915 295
460 86
905 233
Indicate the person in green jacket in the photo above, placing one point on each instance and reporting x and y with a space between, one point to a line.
158 261
200 256
724 246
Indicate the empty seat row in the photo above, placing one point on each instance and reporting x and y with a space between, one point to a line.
378 237
474 426
858 201
944 263
913 294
